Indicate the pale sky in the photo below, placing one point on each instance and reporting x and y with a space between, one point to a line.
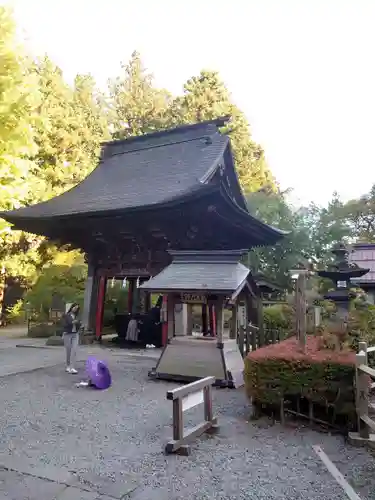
301 70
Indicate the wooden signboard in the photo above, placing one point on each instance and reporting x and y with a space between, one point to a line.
241 315
184 398
193 399
193 298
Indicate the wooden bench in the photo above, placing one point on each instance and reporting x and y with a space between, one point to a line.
184 398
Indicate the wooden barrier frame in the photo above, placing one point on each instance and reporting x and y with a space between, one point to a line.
365 424
184 398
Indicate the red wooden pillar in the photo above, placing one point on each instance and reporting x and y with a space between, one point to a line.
100 307
164 320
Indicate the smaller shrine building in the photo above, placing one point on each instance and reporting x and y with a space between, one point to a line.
363 254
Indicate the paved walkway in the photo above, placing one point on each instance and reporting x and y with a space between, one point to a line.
58 442
19 354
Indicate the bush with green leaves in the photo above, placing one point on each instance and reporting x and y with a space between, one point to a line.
278 317
282 372
66 276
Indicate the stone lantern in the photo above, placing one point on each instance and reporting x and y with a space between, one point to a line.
340 273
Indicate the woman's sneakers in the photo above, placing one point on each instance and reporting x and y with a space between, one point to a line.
71 370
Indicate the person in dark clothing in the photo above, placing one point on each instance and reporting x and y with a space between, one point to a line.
71 329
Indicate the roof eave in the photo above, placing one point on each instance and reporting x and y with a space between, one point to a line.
248 221
202 291
15 218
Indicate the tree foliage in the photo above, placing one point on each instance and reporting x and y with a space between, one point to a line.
312 231
136 106
50 135
19 98
205 97
276 261
71 127
357 216
65 276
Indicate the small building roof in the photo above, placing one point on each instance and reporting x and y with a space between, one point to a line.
205 271
267 284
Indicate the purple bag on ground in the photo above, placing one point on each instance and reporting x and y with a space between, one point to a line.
98 373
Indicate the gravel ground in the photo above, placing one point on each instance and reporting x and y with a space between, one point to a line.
46 420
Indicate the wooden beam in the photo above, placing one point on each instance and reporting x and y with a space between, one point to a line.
369 422
367 370
183 399
362 393
336 474
180 392
219 308
170 316
233 324
192 433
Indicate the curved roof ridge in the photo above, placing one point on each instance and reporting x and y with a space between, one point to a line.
217 122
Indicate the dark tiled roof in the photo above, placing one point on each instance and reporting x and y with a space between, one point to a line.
148 170
153 171
200 271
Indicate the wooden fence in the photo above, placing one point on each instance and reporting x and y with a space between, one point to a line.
184 398
251 338
363 387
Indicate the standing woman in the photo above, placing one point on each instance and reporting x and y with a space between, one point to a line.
71 336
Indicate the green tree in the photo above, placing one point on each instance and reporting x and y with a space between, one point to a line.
326 228
65 275
19 98
276 261
50 135
71 127
66 140
313 231
357 216
136 106
206 97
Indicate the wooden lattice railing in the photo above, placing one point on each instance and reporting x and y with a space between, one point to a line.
250 338
366 425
